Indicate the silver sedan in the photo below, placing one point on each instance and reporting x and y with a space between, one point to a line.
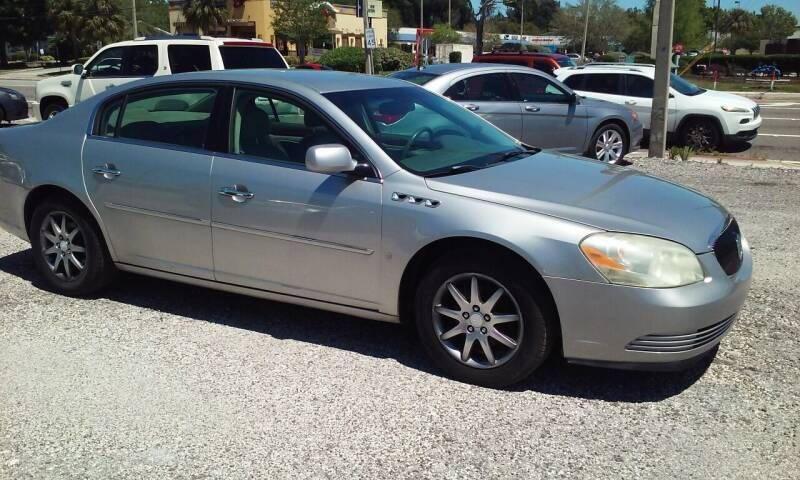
376 198
535 108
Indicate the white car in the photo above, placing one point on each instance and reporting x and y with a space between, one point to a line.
124 62
703 119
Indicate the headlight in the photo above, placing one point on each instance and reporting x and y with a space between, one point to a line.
640 261
732 109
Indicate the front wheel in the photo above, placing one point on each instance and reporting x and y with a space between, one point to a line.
481 323
52 110
701 134
608 144
68 249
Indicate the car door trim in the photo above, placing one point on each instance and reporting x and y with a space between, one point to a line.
153 213
293 238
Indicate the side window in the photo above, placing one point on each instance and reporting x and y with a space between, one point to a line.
534 88
277 129
610 83
639 86
107 64
189 58
175 116
140 61
575 82
492 87
107 123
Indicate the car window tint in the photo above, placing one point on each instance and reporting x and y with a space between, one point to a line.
534 88
189 58
575 82
107 64
250 57
492 87
107 124
276 129
638 86
140 61
609 83
178 116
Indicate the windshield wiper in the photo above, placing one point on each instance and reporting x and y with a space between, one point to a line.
456 169
506 156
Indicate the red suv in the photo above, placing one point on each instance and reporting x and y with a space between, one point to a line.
546 62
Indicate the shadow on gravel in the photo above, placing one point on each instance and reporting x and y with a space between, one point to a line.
375 339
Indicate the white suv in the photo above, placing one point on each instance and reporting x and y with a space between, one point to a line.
123 62
697 117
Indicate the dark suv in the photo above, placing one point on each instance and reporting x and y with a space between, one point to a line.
546 62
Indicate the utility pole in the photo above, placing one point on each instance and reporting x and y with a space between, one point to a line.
367 50
658 116
135 23
585 31
521 19
654 30
449 13
716 26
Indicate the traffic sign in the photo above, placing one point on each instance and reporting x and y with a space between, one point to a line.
371 43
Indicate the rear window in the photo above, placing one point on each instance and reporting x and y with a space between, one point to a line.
413 76
189 58
250 57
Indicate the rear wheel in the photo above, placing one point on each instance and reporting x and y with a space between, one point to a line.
481 323
702 134
608 144
68 250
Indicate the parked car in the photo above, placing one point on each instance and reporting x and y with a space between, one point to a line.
535 108
576 57
546 62
312 66
13 105
123 62
703 119
376 198
766 71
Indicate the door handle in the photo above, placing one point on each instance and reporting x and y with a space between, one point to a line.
531 108
237 193
630 102
472 108
108 171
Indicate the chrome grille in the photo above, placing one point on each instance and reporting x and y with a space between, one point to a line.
681 342
756 111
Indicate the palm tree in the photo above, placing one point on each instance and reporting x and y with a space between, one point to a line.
104 22
68 17
201 15
738 23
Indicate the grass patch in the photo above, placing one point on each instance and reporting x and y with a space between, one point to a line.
740 85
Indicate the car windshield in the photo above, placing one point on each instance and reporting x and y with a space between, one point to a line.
250 57
565 62
414 76
425 133
683 86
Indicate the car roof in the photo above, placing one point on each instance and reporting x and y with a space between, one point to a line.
190 38
319 81
608 68
448 68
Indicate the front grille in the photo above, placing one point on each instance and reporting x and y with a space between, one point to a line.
728 248
756 111
681 342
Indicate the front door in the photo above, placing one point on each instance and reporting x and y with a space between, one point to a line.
491 96
116 66
639 93
279 227
550 117
147 175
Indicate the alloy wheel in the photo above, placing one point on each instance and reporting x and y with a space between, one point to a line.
480 332
63 246
700 136
609 146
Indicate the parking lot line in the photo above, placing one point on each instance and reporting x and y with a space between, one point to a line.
778 135
781 118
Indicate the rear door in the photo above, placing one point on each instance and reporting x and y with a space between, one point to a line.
639 90
493 97
550 119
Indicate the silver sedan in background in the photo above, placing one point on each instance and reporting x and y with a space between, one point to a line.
535 108
374 197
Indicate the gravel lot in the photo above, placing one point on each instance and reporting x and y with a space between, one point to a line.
160 380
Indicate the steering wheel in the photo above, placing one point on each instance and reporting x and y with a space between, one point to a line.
413 139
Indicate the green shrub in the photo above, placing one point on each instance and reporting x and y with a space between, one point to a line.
18 56
347 59
391 59
684 153
294 60
454 57
730 64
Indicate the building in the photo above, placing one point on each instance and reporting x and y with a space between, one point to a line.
253 19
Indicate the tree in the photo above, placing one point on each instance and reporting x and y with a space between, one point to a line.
201 15
443 33
69 19
689 27
103 21
301 21
485 10
405 13
537 12
638 38
775 23
21 21
608 24
740 23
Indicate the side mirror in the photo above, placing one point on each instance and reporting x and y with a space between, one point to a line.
573 98
77 69
329 158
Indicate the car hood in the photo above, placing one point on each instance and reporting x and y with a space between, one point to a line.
604 196
723 98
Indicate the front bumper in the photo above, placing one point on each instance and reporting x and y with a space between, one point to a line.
604 324
637 132
742 127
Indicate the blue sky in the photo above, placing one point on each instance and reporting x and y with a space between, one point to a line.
752 5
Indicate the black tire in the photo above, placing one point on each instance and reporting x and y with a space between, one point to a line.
52 110
609 127
702 134
98 268
538 330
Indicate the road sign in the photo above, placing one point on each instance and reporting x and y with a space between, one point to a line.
371 43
